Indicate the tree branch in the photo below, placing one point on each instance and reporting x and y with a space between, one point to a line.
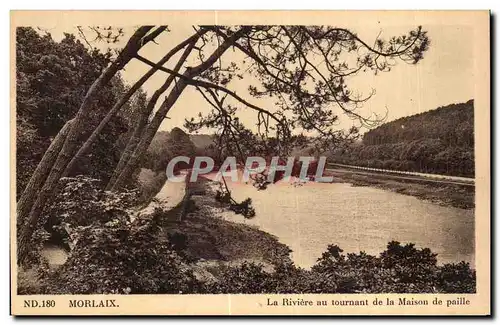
151 36
206 84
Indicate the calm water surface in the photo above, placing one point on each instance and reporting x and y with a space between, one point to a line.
309 217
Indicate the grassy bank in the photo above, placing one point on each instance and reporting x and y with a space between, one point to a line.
453 195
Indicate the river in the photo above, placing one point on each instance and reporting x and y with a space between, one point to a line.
309 217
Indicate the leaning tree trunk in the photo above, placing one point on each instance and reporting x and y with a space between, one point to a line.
70 143
112 112
151 130
147 137
40 174
143 120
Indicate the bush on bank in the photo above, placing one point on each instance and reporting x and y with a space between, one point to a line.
122 258
398 269
81 202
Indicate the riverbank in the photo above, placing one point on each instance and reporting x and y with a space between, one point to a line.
209 233
451 195
234 255
213 250
210 242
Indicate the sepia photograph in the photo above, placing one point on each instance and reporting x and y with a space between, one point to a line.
341 155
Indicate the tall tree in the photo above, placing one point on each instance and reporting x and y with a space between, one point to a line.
33 200
143 119
303 68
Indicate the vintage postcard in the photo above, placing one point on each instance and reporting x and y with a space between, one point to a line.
250 163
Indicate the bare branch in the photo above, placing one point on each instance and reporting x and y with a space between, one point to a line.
206 84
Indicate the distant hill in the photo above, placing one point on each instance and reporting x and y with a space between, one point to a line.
439 141
452 124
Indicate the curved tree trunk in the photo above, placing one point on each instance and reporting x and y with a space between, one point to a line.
147 137
151 130
40 174
112 112
70 144
143 120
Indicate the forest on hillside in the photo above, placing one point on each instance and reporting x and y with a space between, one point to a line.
440 141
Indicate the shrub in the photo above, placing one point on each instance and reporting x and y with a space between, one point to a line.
399 269
81 202
351 273
457 278
245 278
121 258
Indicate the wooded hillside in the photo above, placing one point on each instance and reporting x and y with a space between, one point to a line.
440 141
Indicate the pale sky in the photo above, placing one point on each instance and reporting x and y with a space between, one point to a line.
444 76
